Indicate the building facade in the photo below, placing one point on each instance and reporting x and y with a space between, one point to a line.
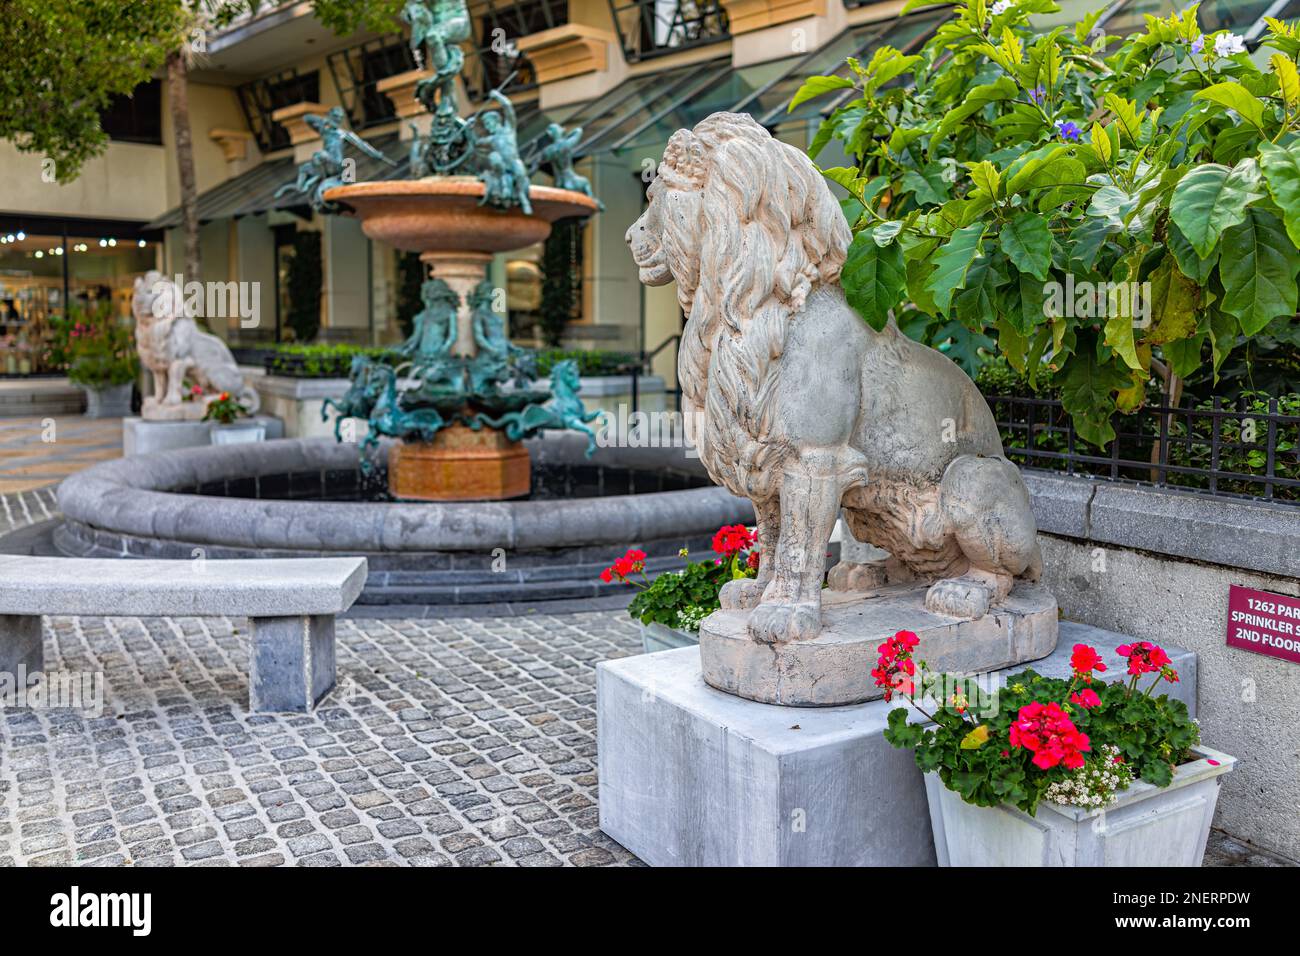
629 72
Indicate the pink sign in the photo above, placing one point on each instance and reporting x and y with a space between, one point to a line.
1264 622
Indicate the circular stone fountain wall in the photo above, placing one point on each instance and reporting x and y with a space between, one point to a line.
296 498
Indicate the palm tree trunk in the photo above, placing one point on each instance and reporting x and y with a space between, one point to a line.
178 98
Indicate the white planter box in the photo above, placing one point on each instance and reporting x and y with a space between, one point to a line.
237 434
659 637
1147 826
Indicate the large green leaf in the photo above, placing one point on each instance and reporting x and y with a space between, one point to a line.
1235 96
1258 266
1212 198
963 346
1004 88
1189 263
816 86
1087 239
1027 241
1173 305
1184 355
873 278
928 184
1281 166
952 261
973 305
1087 393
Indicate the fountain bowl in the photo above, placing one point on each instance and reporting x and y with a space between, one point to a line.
442 214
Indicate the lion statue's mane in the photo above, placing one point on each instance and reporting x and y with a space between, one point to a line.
773 234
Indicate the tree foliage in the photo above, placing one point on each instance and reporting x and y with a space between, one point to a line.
1027 186
65 59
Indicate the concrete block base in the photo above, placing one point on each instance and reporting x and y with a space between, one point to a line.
692 776
141 437
21 649
829 669
291 663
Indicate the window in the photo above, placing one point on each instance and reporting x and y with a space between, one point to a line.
261 98
654 27
356 72
497 25
136 118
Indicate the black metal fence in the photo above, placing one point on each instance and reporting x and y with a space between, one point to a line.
1246 449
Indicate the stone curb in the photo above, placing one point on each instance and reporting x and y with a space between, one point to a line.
128 496
1239 533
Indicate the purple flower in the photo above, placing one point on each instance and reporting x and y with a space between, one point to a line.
1198 44
1037 95
1068 130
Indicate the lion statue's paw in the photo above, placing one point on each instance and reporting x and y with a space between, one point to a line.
741 594
782 623
849 576
958 597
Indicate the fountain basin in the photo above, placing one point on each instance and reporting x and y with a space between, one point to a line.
268 500
441 214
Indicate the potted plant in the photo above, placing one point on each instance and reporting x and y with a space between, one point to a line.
225 411
671 608
1057 772
102 361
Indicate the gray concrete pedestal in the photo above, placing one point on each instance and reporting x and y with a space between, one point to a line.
21 650
693 776
291 662
142 437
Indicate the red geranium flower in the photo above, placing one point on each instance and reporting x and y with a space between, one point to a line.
1049 734
1084 661
1143 657
1085 698
752 560
633 562
895 668
732 539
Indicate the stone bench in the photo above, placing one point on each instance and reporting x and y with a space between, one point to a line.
290 602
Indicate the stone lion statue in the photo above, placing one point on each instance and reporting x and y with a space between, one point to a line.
171 346
797 404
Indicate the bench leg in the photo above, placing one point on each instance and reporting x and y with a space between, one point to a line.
291 663
21 650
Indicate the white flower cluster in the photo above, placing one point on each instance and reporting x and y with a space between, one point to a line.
690 618
1227 44
1094 785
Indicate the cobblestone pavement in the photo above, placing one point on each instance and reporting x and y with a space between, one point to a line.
446 742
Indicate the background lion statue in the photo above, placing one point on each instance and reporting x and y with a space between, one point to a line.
797 404
171 346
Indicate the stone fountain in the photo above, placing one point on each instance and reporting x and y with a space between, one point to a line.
458 395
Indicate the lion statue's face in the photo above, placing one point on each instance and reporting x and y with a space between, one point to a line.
646 236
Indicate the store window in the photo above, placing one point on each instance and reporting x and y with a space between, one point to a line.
49 281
